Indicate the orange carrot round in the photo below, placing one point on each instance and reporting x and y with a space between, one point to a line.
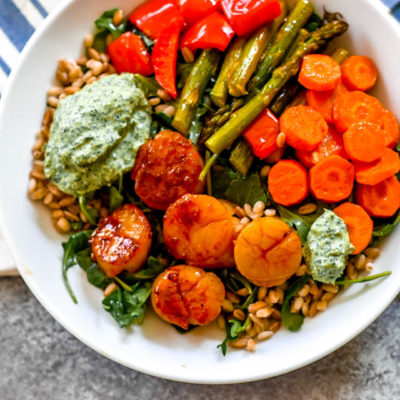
352 107
332 179
331 144
288 182
359 73
304 127
364 141
358 223
373 173
390 128
319 72
323 101
381 200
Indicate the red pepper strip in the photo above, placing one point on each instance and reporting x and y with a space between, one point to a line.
262 133
212 31
195 10
129 54
164 56
246 16
154 16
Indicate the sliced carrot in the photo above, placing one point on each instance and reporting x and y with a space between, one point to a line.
364 141
358 223
288 182
390 128
381 200
373 173
319 72
332 179
352 107
323 101
331 144
304 127
359 73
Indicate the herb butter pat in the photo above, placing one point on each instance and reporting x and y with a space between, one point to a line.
96 134
327 247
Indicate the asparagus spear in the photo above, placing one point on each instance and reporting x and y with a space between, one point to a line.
252 52
297 18
287 96
242 157
300 38
284 97
339 55
219 93
203 69
243 117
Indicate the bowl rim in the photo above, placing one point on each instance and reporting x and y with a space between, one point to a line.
379 8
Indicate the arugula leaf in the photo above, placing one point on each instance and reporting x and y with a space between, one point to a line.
383 230
221 180
154 268
302 223
363 279
128 307
149 85
75 243
100 42
116 199
145 39
246 190
94 274
91 214
105 26
105 23
290 320
164 120
234 328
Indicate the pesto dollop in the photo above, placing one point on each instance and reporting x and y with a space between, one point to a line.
327 247
96 134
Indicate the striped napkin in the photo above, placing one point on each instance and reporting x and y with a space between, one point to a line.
18 21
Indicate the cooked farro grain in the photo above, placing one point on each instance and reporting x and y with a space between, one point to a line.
262 293
118 17
169 111
239 314
187 55
265 335
110 288
243 292
308 208
265 170
280 140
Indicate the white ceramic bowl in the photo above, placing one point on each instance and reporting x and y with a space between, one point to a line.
156 348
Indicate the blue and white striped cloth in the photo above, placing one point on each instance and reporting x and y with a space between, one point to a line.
18 21
20 18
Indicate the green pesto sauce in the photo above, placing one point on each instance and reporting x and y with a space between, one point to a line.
96 134
327 247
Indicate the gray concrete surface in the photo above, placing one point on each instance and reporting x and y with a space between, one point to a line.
40 360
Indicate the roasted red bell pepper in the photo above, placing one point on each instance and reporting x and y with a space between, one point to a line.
154 16
164 56
129 54
245 16
262 133
195 10
212 31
